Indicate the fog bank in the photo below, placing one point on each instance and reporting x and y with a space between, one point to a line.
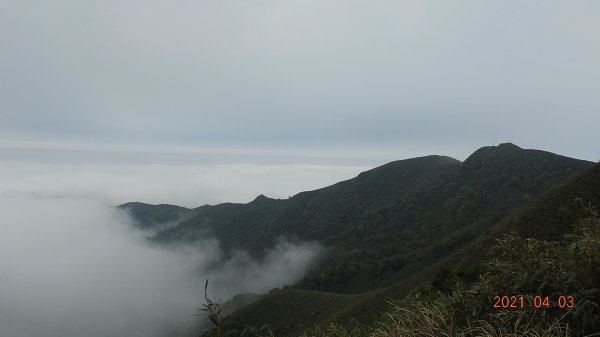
181 184
77 267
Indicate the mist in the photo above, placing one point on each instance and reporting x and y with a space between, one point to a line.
189 185
76 266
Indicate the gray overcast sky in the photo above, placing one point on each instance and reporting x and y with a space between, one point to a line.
337 80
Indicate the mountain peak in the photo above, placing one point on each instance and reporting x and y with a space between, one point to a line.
488 152
508 146
508 158
261 198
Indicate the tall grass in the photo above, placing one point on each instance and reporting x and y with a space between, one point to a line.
221 325
517 266
353 329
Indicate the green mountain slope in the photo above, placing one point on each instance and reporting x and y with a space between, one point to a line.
388 222
548 216
150 216
416 223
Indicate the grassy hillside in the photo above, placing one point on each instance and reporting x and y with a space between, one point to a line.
292 310
563 202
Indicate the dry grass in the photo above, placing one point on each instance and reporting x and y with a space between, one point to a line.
416 317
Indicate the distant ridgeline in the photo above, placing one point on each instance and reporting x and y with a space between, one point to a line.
400 216
393 228
155 216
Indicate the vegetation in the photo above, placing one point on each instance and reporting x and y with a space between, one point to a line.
151 216
517 266
221 325
378 225
554 211
416 232
354 329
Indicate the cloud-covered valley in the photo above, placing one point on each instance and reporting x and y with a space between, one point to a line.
76 266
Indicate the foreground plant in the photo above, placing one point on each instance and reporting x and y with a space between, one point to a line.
221 325
518 266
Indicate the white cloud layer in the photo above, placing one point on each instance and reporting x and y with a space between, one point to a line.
76 267
188 185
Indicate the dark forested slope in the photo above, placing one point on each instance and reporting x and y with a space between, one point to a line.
384 224
405 213
149 216
549 216
410 223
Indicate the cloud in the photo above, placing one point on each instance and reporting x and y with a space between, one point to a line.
76 267
246 275
271 72
187 184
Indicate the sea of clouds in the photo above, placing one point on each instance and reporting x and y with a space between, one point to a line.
76 266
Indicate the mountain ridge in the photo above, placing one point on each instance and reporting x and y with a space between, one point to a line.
568 200
388 220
